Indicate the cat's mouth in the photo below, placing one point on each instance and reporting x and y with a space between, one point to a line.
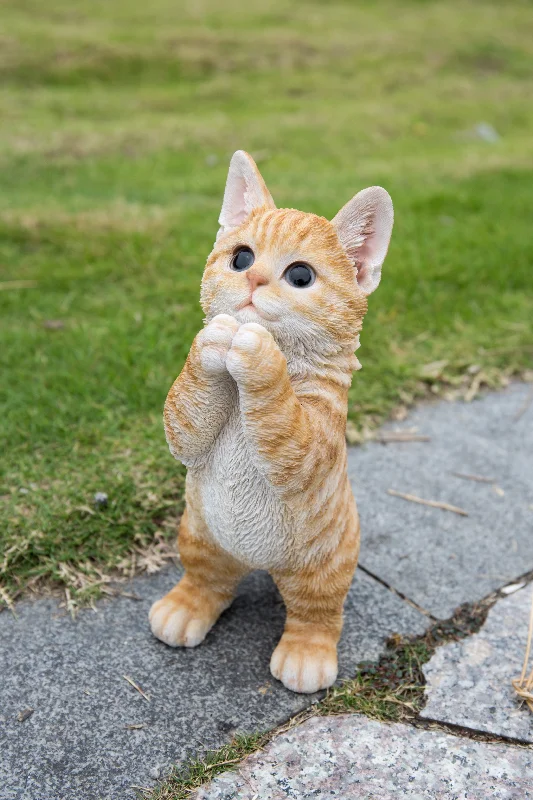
250 310
248 305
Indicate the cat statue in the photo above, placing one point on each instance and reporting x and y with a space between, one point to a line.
258 416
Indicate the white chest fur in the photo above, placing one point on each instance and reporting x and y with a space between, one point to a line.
241 509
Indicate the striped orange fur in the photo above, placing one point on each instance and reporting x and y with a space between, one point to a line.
258 415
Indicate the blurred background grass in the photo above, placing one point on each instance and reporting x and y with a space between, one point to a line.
117 122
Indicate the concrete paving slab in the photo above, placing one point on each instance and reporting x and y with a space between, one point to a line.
354 757
437 558
469 682
76 743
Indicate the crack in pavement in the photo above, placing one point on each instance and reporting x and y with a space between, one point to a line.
397 593
462 731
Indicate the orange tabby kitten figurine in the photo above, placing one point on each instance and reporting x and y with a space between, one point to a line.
258 415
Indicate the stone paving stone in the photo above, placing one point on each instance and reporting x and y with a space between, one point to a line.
354 757
76 745
469 682
437 558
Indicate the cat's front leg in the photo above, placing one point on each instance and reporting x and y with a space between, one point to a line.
287 437
199 401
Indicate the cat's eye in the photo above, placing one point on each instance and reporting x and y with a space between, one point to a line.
242 259
300 275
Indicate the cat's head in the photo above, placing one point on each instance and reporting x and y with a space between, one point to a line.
302 277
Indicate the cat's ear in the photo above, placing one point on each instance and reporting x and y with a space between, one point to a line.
245 190
364 227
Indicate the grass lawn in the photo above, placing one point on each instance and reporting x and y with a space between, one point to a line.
117 121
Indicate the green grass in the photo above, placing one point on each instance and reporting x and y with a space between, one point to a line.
117 121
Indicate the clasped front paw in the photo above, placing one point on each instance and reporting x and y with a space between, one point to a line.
214 342
253 353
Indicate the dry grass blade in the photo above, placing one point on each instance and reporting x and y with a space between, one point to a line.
471 477
8 600
129 595
6 285
523 694
433 503
523 687
523 408
474 387
223 763
401 436
70 604
136 686
528 645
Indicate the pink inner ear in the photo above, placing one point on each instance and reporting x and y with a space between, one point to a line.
245 190
362 272
237 204
361 257
238 217
364 226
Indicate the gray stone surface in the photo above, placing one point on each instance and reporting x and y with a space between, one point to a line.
354 757
469 682
76 744
437 558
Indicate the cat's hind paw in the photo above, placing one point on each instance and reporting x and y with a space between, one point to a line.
304 667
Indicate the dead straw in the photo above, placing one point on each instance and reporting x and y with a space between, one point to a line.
467 476
4 595
522 686
136 686
223 763
388 437
523 408
433 503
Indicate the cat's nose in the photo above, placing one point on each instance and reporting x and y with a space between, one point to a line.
255 279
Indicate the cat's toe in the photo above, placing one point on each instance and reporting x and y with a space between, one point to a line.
213 359
302 670
175 625
214 342
253 327
253 355
248 337
225 321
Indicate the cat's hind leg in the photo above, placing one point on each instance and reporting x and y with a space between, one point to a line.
184 616
305 659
